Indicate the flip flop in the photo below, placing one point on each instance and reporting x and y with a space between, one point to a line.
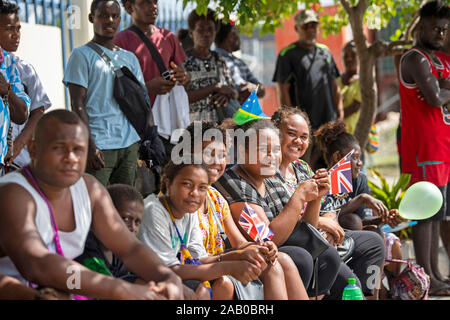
441 292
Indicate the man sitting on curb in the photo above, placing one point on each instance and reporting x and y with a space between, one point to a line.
54 193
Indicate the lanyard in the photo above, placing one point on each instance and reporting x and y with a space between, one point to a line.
186 255
166 205
52 216
26 169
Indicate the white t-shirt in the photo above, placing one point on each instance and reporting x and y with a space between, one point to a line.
158 232
38 96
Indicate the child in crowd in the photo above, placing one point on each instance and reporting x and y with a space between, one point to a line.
130 205
281 278
171 228
335 143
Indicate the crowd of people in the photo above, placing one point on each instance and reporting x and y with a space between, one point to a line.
80 229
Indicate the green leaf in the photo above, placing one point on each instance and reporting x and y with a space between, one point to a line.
402 184
384 184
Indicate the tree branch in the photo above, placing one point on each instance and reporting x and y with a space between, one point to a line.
346 5
382 48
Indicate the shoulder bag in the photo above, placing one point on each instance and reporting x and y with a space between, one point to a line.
129 93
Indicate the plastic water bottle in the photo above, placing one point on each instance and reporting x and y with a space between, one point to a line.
352 291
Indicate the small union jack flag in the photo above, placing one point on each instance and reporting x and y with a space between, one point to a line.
254 226
341 176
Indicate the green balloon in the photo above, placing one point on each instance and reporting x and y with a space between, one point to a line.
421 201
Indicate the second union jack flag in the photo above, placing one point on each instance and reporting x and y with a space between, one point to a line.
253 225
341 176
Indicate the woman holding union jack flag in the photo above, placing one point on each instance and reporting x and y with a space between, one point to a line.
294 135
243 185
280 278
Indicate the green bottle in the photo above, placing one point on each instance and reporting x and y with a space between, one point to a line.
352 291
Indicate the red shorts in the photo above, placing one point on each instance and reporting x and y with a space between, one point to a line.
437 173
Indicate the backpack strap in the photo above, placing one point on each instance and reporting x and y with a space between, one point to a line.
101 53
155 54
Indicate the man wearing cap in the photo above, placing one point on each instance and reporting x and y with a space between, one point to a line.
305 77
306 73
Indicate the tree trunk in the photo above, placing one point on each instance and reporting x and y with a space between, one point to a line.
366 71
368 96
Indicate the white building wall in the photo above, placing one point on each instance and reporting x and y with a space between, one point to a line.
41 46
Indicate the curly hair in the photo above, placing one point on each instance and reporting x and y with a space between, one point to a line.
96 3
284 112
436 8
222 33
332 137
194 17
7 7
256 126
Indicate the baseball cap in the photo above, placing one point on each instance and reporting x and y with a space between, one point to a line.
306 16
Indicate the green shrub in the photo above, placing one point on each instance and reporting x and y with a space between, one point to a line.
391 195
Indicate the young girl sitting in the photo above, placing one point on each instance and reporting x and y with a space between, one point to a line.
170 227
336 143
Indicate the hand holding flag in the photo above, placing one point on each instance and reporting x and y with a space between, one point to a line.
341 176
254 226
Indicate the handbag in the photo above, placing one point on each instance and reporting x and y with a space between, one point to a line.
129 93
228 111
232 106
309 238
411 284
135 104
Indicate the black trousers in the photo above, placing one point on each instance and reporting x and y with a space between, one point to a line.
328 267
367 259
365 264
